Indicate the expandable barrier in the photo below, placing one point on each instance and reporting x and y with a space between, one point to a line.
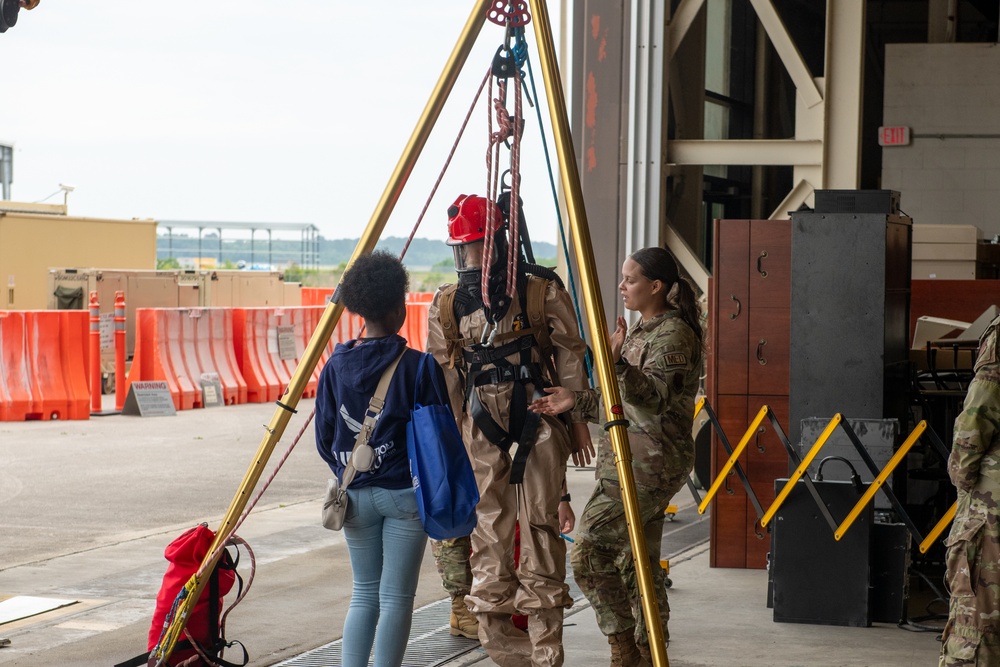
44 365
802 465
179 345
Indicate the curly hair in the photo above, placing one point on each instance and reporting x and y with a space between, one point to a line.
375 286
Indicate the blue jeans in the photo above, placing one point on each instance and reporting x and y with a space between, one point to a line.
386 541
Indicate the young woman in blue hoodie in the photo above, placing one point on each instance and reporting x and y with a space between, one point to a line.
384 535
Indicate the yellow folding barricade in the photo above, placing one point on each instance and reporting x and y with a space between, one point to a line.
802 465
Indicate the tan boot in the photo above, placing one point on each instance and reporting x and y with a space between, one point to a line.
623 650
463 622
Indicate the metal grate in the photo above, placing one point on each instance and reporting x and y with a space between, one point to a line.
430 642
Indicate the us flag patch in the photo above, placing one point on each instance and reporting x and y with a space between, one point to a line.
676 359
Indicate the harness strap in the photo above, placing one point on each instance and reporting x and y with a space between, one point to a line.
480 356
520 439
534 306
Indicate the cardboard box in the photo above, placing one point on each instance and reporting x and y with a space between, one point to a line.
948 251
944 270
946 234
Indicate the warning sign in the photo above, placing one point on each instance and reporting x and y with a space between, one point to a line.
149 399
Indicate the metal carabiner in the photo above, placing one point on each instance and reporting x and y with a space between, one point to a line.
489 335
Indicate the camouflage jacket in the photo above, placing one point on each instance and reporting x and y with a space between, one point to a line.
657 387
974 464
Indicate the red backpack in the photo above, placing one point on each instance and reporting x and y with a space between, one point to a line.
204 633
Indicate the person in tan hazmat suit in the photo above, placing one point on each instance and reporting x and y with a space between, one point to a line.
496 358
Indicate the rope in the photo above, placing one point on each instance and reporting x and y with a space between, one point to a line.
492 176
507 129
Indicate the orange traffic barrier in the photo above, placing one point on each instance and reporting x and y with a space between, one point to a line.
44 365
15 388
269 343
316 296
415 326
414 329
419 297
180 345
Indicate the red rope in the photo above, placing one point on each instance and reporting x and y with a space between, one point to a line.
506 130
498 106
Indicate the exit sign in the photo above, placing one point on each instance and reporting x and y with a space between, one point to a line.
894 136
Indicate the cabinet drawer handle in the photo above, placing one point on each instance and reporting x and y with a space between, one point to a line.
739 307
760 447
760 269
760 349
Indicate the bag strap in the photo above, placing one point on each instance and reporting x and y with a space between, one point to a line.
375 406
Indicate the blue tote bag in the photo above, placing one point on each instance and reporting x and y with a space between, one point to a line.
442 475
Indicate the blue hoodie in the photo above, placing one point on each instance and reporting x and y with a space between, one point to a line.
347 384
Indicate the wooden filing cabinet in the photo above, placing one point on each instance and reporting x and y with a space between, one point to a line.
748 367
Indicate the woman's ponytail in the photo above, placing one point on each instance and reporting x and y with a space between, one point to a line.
687 303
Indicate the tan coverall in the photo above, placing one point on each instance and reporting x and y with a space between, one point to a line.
537 587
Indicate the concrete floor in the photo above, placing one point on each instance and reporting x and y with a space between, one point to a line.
86 508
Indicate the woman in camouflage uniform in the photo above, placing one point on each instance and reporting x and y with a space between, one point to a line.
972 634
658 362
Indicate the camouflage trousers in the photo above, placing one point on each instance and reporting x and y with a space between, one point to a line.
972 633
602 557
452 560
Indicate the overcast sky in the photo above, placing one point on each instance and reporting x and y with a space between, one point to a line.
250 111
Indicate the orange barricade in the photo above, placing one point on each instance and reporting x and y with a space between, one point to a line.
269 344
316 296
419 297
415 327
179 345
44 365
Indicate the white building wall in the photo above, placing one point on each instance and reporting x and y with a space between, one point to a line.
949 97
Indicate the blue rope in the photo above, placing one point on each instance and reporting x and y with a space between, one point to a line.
520 49
555 200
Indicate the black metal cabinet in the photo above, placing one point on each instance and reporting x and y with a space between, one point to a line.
850 304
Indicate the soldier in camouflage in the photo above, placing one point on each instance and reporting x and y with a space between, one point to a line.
658 362
972 634
452 559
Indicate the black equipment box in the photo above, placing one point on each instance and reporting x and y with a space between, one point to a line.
817 579
857 201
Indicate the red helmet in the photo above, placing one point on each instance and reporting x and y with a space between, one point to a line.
467 219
